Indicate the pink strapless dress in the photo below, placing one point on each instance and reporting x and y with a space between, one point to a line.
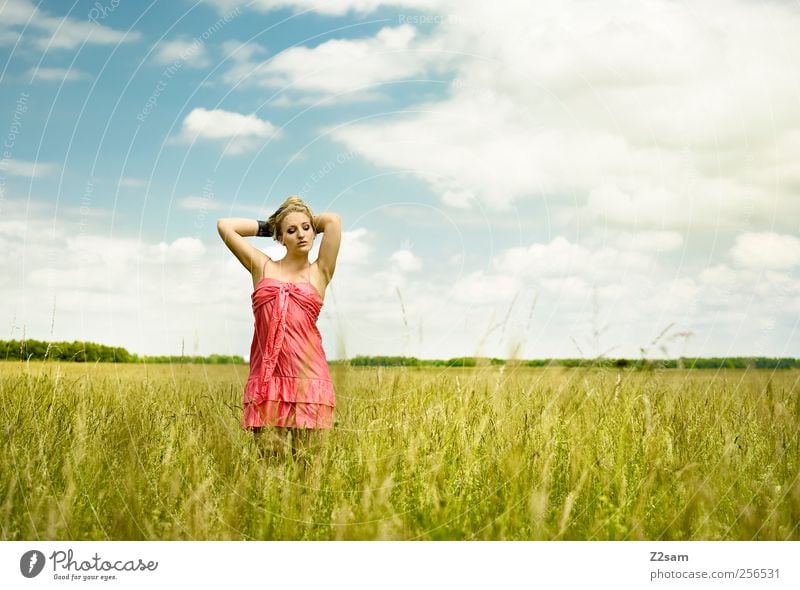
289 384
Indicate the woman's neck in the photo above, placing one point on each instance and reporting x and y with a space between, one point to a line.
294 263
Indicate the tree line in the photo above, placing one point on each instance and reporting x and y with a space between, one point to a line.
90 352
640 364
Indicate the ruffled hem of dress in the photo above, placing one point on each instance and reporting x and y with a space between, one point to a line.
287 415
290 389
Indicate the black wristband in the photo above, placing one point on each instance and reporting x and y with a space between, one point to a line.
263 229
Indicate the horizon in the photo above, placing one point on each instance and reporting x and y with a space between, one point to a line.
421 359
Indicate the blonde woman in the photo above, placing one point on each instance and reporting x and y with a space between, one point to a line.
289 392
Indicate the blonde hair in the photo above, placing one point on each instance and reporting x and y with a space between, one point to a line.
292 204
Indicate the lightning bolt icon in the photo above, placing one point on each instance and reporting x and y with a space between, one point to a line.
34 559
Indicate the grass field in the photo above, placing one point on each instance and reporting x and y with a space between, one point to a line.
130 452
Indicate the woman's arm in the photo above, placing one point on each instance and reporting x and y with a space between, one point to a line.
330 225
233 230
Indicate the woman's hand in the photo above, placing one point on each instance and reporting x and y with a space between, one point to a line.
324 220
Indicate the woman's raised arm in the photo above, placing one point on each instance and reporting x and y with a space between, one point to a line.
233 230
330 225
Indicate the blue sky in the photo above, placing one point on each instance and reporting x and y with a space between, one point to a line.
546 180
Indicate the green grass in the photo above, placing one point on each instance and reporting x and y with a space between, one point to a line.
135 452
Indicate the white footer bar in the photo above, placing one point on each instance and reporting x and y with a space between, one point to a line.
388 565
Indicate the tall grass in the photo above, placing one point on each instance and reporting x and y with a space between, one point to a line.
155 452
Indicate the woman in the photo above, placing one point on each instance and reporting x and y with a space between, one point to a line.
289 389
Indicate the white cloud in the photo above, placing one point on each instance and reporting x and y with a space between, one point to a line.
355 247
239 51
242 133
181 250
675 297
719 275
482 288
406 260
649 115
560 258
647 206
218 124
189 52
330 7
58 74
128 182
308 74
649 241
67 33
755 290
119 291
200 203
13 229
47 32
436 145
8 37
568 287
27 169
17 12
458 198
708 203
767 250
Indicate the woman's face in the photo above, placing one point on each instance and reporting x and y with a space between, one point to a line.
297 232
